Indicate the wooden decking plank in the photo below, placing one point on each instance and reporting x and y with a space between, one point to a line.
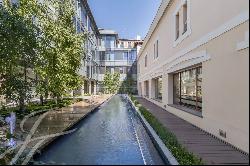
202 144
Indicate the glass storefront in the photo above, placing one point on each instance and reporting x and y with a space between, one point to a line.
188 88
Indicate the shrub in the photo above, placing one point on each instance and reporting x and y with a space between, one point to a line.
181 154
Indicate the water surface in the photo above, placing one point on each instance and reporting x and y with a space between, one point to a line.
112 135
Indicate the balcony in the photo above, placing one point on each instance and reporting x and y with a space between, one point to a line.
116 63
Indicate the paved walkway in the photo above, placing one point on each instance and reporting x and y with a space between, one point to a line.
210 149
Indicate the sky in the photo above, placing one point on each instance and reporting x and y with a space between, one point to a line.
127 17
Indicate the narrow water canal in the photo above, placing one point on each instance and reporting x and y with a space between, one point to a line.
112 135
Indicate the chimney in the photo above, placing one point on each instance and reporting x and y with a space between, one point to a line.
138 37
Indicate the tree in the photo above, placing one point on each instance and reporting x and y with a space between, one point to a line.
17 54
111 82
128 84
39 39
61 48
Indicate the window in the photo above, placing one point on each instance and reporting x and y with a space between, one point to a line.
122 44
102 70
157 48
146 60
177 26
121 70
129 45
154 52
184 18
188 88
108 41
182 22
125 56
132 55
110 56
158 88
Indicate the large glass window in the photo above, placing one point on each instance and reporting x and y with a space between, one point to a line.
110 56
125 56
188 88
132 56
84 16
110 42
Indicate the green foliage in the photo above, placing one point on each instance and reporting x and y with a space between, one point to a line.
17 54
180 153
61 48
50 104
128 85
39 39
111 83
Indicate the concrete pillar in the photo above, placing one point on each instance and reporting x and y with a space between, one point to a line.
150 82
95 88
82 90
152 92
168 86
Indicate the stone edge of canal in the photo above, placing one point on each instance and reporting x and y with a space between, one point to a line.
165 153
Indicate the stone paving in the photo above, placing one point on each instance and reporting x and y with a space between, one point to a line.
60 120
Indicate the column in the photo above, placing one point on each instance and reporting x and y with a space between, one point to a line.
153 90
82 90
95 88
150 85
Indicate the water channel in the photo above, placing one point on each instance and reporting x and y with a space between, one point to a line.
113 135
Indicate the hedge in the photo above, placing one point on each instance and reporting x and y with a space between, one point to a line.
180 153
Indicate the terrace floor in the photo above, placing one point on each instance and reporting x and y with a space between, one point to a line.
211 150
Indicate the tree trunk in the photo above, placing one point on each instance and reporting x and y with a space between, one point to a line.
41 100
21 104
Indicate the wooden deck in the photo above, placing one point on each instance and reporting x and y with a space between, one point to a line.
211 150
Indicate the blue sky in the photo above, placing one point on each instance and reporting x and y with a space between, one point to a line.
127 17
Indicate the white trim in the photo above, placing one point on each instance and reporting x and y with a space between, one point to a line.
231 24
160 12
244 44
189 31
188 61
234 22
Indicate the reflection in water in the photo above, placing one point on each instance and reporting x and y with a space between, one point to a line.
113 135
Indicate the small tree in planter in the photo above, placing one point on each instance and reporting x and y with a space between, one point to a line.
111 83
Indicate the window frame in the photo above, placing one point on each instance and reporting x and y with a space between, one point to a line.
178 39
146 60
180 73
156 49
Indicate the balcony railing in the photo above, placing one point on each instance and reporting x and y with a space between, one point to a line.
116 62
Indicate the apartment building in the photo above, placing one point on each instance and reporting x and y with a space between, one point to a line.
194 63
85 23
118 55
